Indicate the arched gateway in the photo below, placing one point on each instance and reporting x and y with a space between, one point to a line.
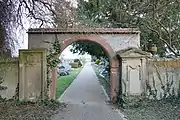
111 40
114 63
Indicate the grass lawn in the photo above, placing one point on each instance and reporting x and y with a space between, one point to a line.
63 82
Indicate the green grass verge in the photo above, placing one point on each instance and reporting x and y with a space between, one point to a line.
63 82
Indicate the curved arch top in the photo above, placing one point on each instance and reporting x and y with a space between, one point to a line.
96 39
114 63
110 39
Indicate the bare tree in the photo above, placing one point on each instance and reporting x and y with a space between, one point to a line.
12 13
66 15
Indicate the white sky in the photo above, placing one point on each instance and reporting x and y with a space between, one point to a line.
23 36
67 54
23 40
74 2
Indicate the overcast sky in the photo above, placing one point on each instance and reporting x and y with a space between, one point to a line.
23 40
68 55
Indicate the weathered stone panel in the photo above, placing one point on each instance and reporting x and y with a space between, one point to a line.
133 75
32 79
122 41
163 78
8 77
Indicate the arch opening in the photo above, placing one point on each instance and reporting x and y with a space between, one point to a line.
94 39
113 63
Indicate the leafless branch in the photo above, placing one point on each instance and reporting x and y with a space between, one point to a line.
13 12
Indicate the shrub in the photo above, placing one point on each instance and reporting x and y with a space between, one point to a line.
74 65
97 61
79 64
78 61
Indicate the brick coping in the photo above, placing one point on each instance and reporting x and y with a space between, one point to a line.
83 31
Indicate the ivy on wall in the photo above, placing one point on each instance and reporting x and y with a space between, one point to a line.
52 58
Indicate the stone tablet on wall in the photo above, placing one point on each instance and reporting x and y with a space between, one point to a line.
8 77
32 79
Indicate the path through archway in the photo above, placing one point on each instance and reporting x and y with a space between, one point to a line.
114 63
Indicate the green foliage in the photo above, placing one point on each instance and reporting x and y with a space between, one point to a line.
91 48
78 62
97 61
74 65
158 21
52 58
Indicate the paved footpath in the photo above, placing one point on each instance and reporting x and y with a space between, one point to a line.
86 99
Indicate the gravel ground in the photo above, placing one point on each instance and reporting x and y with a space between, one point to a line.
15 110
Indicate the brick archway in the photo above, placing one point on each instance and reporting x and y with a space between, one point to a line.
114 63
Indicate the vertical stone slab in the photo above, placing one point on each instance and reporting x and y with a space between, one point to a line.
32 74
113 78
53 84
8 77
134 80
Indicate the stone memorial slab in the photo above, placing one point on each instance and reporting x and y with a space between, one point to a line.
32 76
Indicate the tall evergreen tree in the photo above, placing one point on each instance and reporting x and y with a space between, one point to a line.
158 20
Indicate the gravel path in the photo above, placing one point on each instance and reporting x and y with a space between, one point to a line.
86 100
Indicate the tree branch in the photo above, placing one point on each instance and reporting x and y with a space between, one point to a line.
164 41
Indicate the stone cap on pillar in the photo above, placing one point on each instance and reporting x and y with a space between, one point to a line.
133 53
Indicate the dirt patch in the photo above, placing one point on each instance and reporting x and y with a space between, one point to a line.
168 109
15 110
